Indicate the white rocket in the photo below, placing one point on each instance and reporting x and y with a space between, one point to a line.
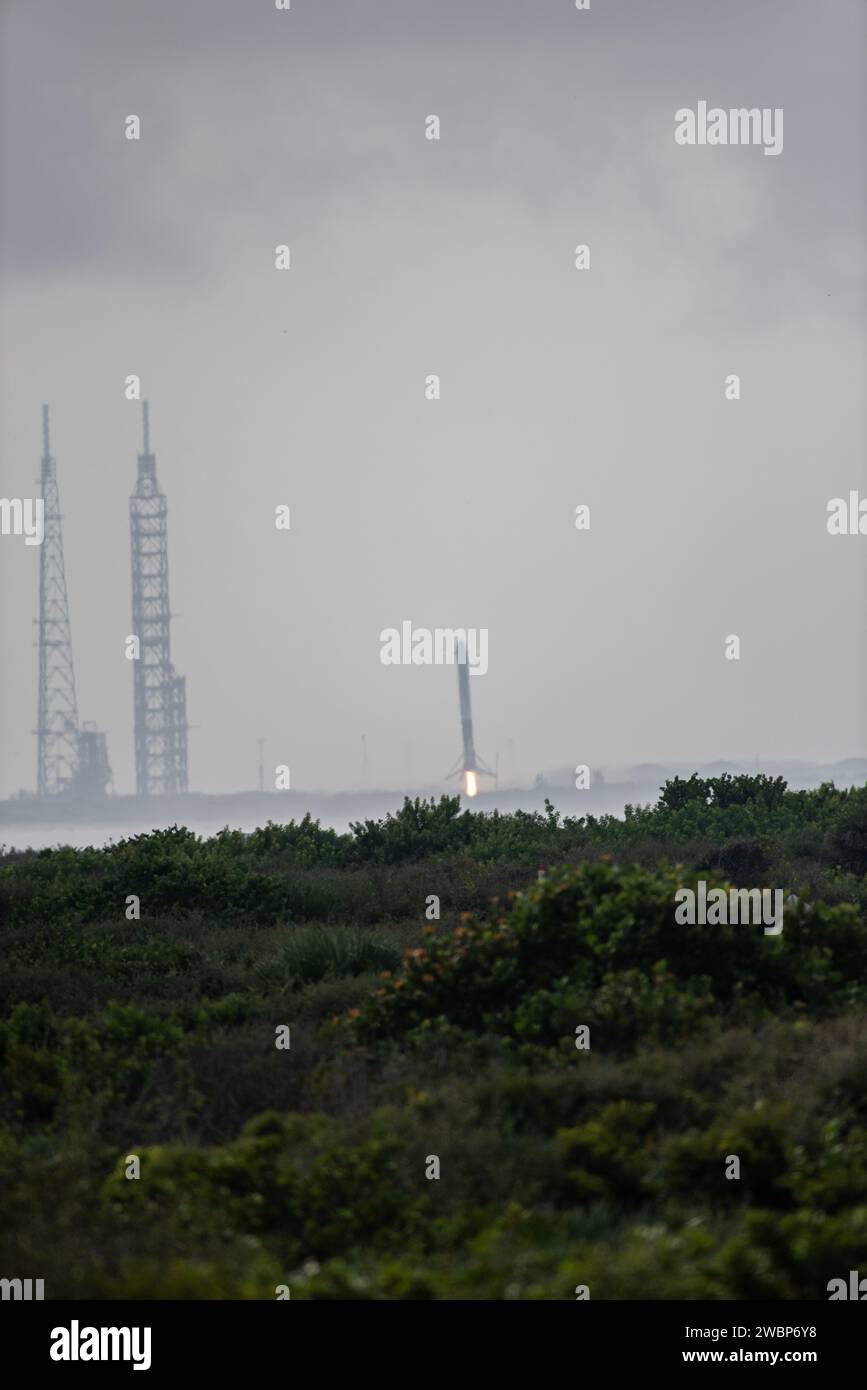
468 765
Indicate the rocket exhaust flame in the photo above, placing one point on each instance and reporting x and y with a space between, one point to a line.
470 783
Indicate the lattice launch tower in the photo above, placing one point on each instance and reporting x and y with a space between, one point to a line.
159 693
57 717
71 759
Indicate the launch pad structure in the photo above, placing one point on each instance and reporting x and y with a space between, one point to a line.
70 759
160 699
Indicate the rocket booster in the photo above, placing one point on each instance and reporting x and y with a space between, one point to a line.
469 758
468 765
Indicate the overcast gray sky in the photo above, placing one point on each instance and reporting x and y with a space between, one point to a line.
455 257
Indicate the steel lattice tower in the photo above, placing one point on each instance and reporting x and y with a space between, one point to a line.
57 723
160 694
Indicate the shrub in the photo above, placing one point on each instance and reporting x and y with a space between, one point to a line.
607 1156
583 927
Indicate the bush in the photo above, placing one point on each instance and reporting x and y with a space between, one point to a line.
586 927
607 1156
292 1178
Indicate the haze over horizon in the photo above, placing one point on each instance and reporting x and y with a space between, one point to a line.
559 387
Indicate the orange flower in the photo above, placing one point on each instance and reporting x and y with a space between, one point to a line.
428 979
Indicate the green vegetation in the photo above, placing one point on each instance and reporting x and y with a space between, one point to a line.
453 1037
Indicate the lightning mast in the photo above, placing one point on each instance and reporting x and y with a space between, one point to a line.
57 721
160 701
